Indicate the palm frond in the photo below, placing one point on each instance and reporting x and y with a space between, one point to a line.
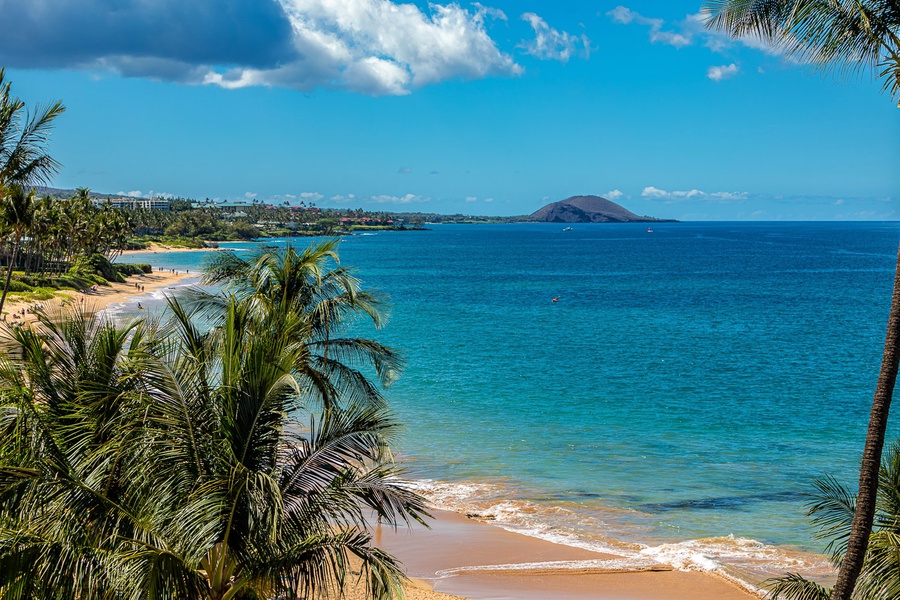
795 587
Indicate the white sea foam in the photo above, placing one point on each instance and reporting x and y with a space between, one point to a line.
152 298
740 559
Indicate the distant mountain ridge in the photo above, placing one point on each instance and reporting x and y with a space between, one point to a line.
589 209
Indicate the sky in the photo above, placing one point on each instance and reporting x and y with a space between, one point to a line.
491 108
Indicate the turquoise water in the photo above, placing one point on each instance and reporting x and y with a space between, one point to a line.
687 384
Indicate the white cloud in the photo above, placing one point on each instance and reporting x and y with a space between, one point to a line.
150 194
552 44
312 196
407 199
378 47
614 195
471 198
623 15
494 13
652 192
404 170
722 72
694 194
690 28
626 16
488 199
250 195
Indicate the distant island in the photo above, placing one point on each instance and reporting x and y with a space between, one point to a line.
589 209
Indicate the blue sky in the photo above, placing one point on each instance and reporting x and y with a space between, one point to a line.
494 108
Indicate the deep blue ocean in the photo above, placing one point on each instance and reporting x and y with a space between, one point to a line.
676 400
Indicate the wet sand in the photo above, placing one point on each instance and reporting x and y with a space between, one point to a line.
482 562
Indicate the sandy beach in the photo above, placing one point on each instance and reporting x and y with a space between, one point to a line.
471 559
99 299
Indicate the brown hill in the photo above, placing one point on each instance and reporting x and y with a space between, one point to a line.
588 209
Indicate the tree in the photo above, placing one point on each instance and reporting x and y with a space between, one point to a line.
181 463
832 510
841 35
17 213
310 291
23 140
834 35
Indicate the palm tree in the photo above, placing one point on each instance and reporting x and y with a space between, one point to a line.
845 35
321 298
23 140
166 461
832 509
842 35
17 213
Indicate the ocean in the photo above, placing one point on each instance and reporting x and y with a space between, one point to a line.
674 402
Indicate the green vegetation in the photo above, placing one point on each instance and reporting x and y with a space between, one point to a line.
839 36
832 508
24 161
236 451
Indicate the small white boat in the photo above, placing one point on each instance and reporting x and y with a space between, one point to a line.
649 230
567 229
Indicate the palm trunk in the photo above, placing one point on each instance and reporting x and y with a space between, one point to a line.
12 263
858 542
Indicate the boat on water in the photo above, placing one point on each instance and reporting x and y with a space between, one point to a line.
567 229
649 230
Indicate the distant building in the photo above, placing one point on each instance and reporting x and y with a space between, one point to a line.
136 203
232 206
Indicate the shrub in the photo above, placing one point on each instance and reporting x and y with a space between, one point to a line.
97 268
133 269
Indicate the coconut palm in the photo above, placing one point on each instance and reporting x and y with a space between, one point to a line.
23 140
832 509
326 297
175 462
16 213
844 35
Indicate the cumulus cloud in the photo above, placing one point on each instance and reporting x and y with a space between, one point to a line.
680 196
250 195
313 196
722 72
377 47
552 44
407 199
614 195
626 16
471 198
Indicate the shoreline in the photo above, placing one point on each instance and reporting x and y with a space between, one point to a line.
155 248
519 567
470 559
102 299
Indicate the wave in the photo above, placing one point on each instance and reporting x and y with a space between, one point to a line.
616 531
150 301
